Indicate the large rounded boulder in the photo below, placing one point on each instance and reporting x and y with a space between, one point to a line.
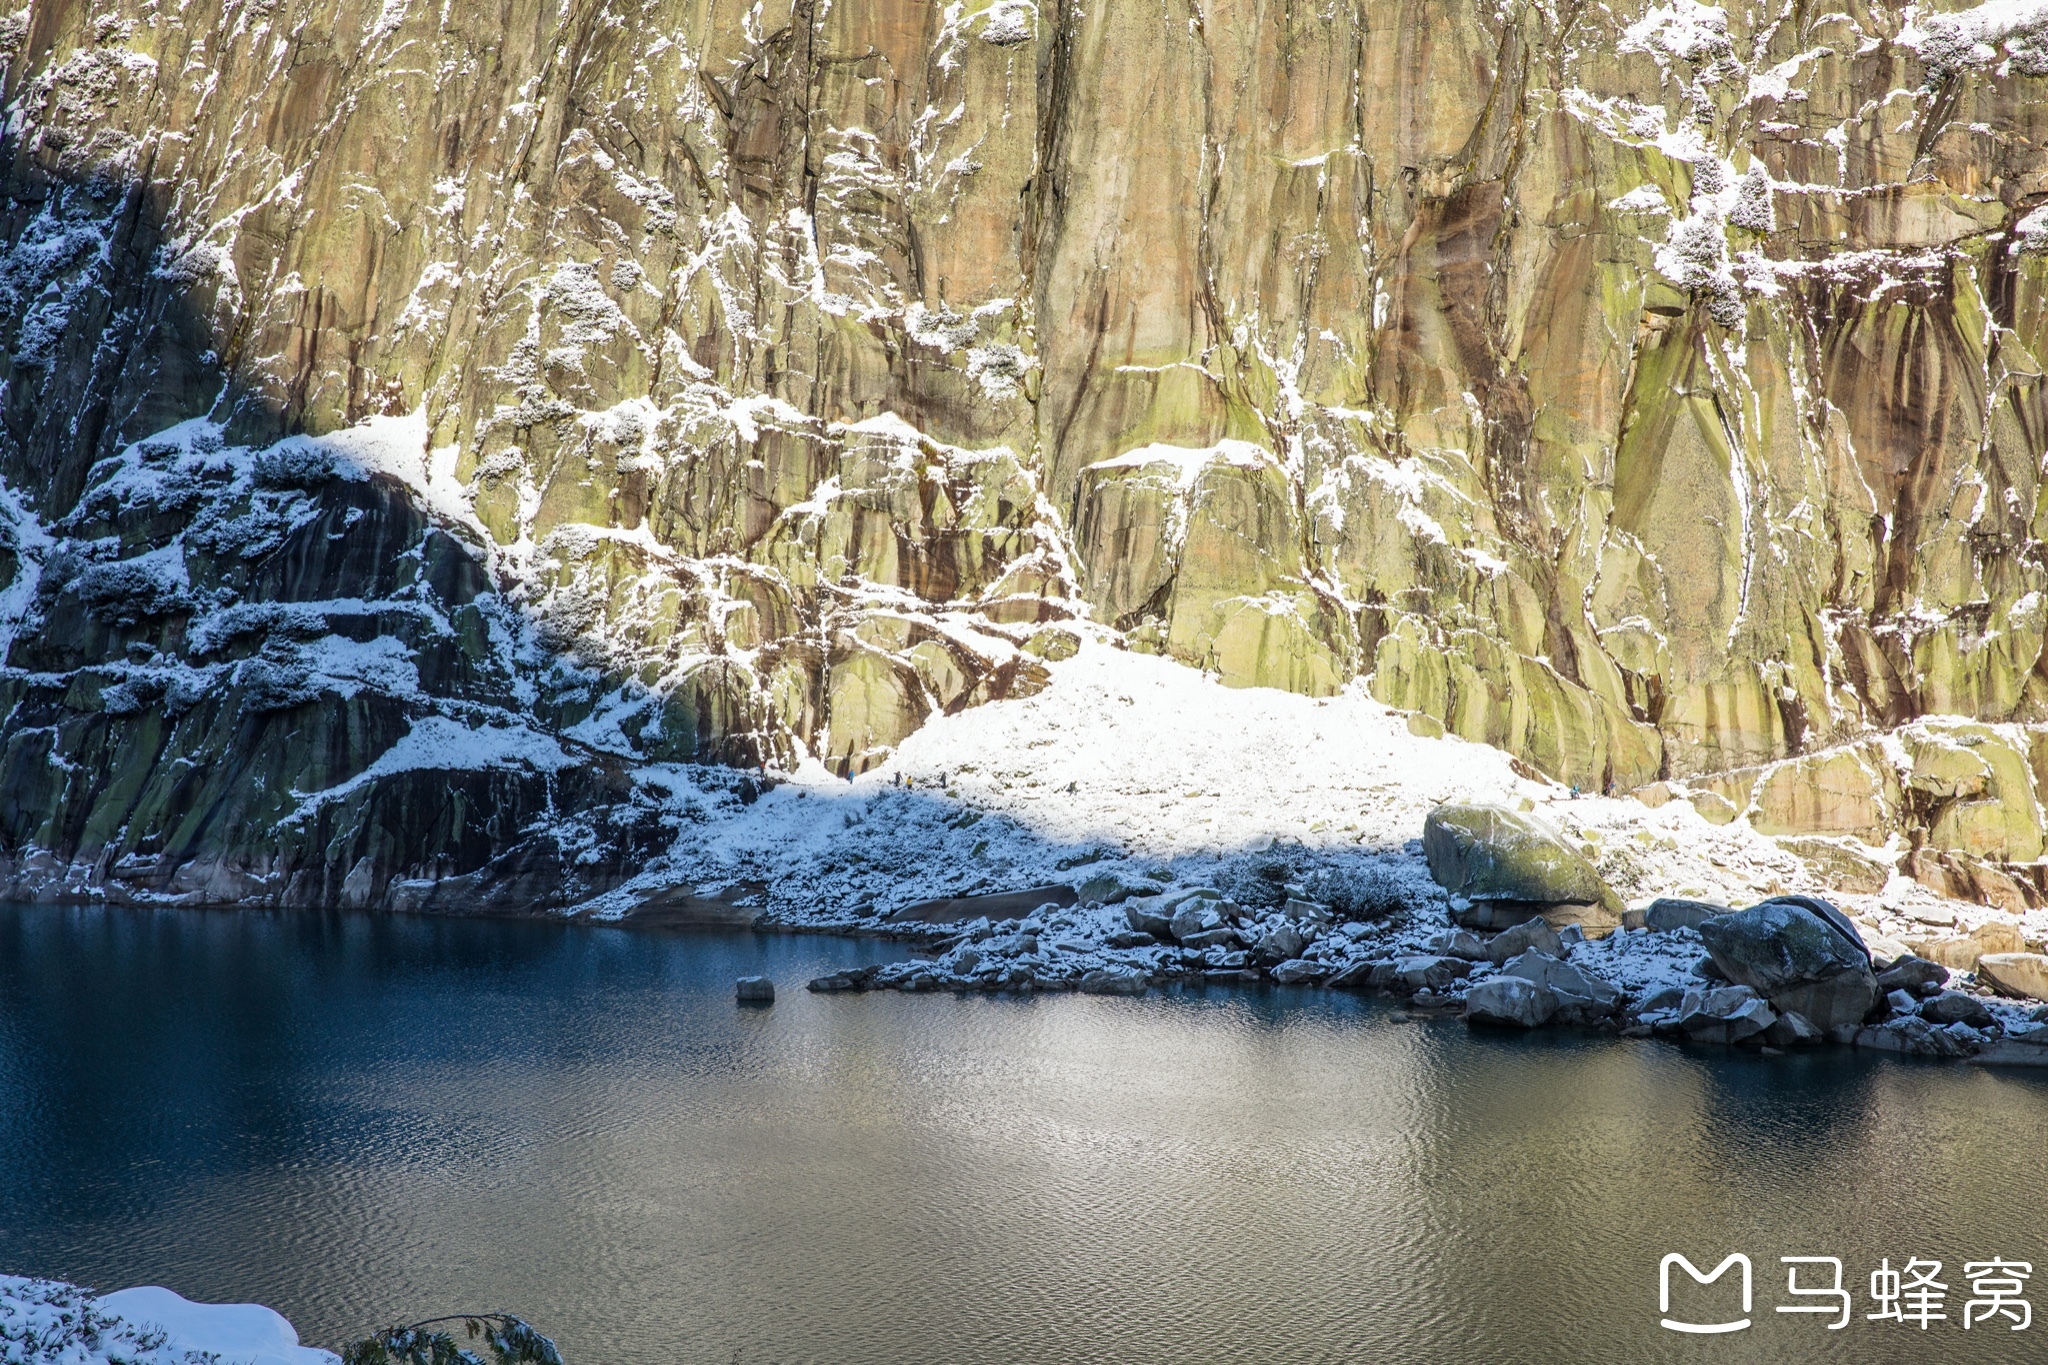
1503 866
1796 959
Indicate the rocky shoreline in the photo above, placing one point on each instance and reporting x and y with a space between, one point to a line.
1525 935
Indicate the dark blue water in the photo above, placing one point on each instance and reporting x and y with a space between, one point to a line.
361 1120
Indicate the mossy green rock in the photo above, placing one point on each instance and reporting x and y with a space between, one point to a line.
1484 853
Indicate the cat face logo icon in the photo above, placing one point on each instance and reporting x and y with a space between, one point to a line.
1703 1328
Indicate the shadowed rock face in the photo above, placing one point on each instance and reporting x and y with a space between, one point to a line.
1653 392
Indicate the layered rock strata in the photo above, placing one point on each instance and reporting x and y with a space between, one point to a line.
1653 392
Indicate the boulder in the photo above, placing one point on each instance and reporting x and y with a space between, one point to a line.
1954 1007
1114 981
1501 866
754 990
1106 888
1195 917
858 979
1296 970
1353 976
1913 1036
1661 1001
1428 972
1459 943
1530 933
1725 1014
1579 992
1221 936
2020 1047
1796 960
1829 914
1672 912
1511 1001
1278 941
1962 952
1901 1002
2019 974
1913 974
1148 915
1001 905
1793 1029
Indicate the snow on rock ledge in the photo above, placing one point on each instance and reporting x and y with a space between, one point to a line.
51 1323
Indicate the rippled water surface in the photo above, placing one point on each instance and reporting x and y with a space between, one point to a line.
360 1120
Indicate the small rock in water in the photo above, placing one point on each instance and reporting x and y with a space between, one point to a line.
1114 981
757 990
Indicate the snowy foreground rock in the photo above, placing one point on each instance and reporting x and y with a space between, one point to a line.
47 1322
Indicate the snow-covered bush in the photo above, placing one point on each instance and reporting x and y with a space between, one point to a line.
1709 177
1947 47
129 591
296 464
1753 208
1010 22
1359 891
269 684
2031 232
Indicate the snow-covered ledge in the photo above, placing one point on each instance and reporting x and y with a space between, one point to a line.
48 1322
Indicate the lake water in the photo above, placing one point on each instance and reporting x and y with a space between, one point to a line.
361 1120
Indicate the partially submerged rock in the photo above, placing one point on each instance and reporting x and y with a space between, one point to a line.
2020 1047
1510 1001
1581 996
1501 866
1725 1014
1795 959
754 990
1114 981
1913 1036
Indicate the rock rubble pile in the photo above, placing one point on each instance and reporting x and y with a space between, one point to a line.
1790 971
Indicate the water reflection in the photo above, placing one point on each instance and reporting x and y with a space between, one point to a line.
359 1119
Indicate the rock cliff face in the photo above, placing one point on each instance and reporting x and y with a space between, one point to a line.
1654 392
